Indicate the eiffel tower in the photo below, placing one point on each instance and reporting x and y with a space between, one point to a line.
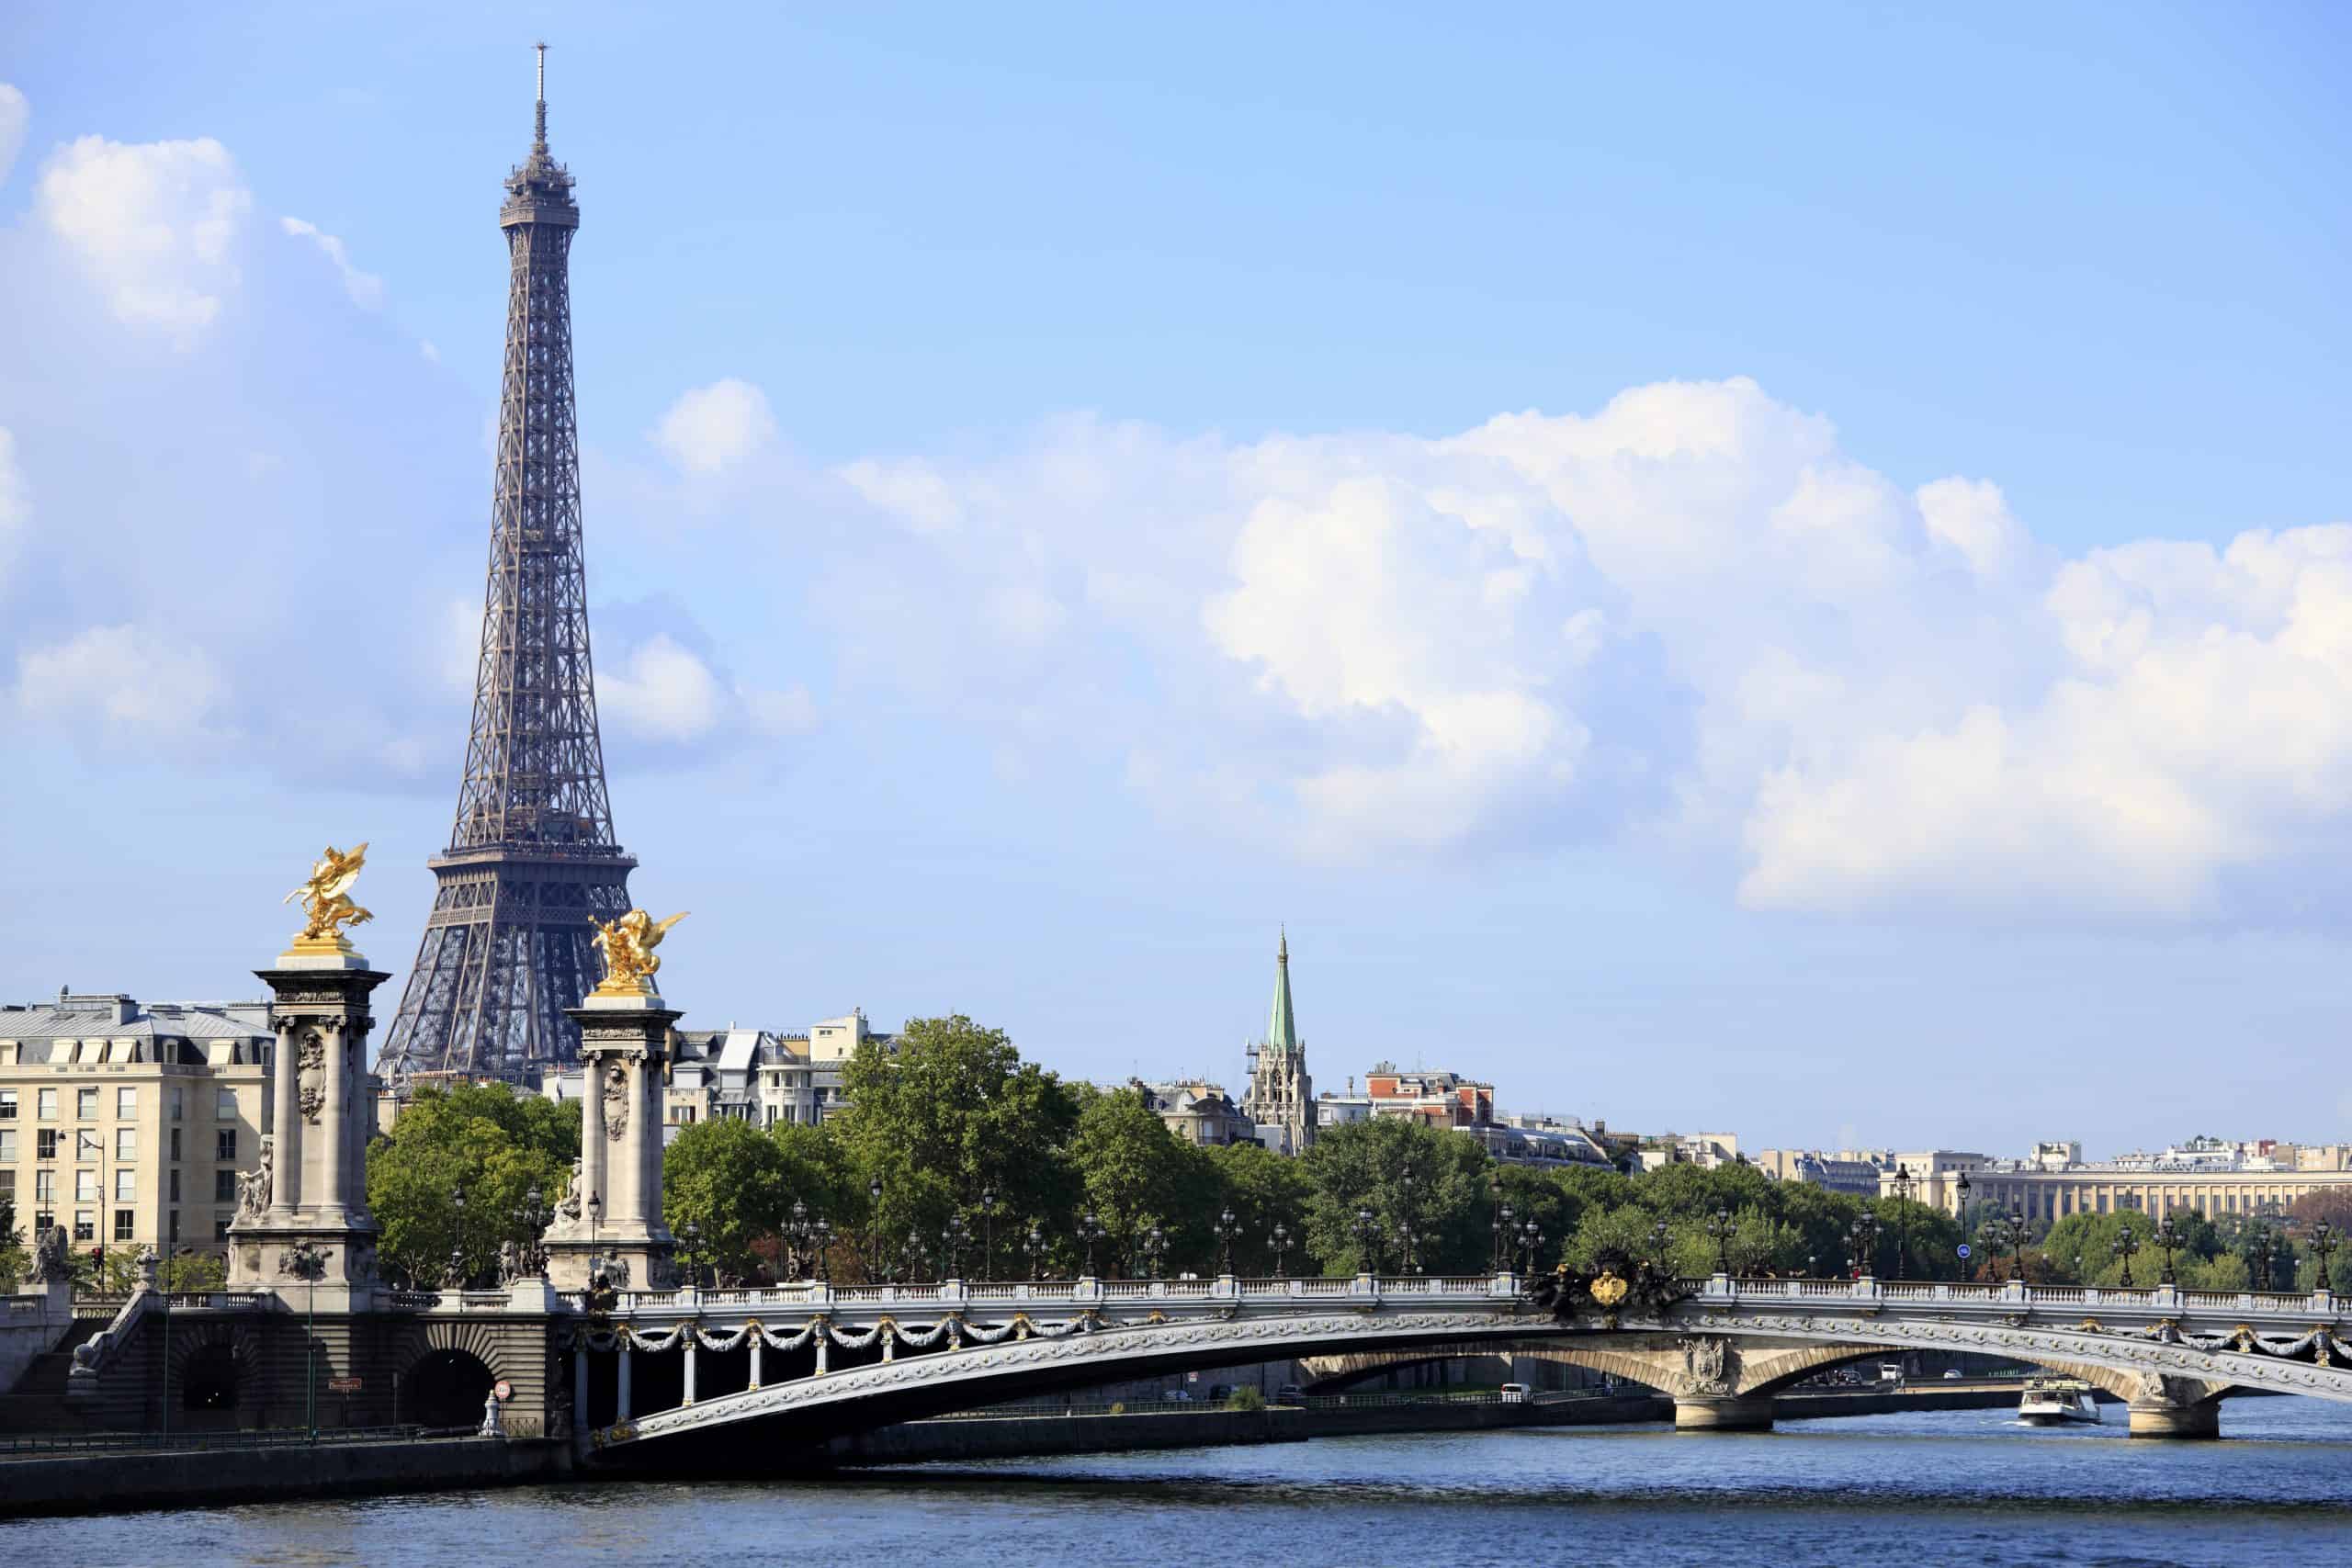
532 858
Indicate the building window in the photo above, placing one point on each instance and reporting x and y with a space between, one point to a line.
179 1102
86 1225
45 1104
175 1144
7 1105
122 1224
45 1187
171 1220
87 1144
126 1142
9 1187
85 1187
175 1183
86 1105
224 1144
126 1186
45 1143
224 1186
7 1144
224 1105
126 1102
221 1226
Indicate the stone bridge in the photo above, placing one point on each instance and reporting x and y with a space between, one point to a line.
697 1377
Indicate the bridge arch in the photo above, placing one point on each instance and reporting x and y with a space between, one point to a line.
446 1388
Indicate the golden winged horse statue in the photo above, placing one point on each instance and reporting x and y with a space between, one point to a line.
326 897
627 945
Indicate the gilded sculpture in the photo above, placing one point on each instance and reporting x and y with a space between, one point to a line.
627 945
327 907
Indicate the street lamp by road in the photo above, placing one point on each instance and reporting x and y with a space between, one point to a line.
1406 1225
1279 1239
1863 1233
1034 1244
2259 1275
1227 1227
2126 1244
2017 1233
952 1236
1502 1223
798 1231
912 1258
874 1228
2168 1240
456 1279
307 1263
1530 1235
691 1237
1155 1245
1960 1211
1368 1231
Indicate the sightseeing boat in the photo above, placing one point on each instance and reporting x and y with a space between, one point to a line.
2057 1402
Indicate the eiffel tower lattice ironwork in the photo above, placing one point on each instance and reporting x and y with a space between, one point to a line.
532 858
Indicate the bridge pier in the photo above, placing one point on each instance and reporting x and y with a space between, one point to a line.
1722 1413
2202 1420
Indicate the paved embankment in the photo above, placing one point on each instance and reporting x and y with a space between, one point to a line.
105 1480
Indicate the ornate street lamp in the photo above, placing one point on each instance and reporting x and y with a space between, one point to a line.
1530 1235
1367 1230
912 1258
2126 1244
1034 1244
533 1217
1405 1226
1901 1185
456 1279
1155 1245
1661 1248
987 1232
797 1231
1090 1231
1227 1227
1719 1228
1279 1239
1502 1223
1960 1212
2168 1240
952 1236
2017 1233
824 1252
1864 1235
691 1237
874 1228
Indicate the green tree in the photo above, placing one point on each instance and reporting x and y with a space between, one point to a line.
727 1178
947 1112
192 1271
483 1140
1136 1174
1263 1190
1360 1166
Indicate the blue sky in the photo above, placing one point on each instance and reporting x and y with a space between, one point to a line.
1781 573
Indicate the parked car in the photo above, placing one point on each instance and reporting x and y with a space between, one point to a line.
1890 1372
1180 1395
1951 1374
1514 1393
1289 1394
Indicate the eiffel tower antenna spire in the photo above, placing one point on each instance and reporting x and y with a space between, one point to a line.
532 860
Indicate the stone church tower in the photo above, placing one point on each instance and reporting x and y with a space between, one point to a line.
1281 1099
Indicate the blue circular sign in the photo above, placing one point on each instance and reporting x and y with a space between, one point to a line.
1963 1249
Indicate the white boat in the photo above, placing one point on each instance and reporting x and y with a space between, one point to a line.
2055 1402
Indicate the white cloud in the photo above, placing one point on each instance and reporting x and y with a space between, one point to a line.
15 503
791 711
1687 615
15 114
662 693
432 355
710 429
124 680
155 223
367 290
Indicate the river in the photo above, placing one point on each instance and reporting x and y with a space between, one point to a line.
1952 1487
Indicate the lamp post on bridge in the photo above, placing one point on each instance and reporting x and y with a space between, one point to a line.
1502 1226
1227 1227
1090 1231
1406 1225
1901 1185
1279 1239
1862 1237
2018 1230
2325 1242
2258 1277
1034 1244
1719 1228
952 1236
987 1234
874 1228
1155 1246
2168 1240
824 1252
1530 1236
690 1242
797 1231
2126 1244
1368 1231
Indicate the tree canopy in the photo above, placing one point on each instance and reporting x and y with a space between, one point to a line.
483 1141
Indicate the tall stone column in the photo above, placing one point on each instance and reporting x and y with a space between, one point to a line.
311 1218
624 1058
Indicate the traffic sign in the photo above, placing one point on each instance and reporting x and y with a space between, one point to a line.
1963 1249
343 1386
505 1389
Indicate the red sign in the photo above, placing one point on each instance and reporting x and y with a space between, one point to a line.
343 1386
505 1389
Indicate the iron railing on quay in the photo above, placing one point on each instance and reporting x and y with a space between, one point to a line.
29 1444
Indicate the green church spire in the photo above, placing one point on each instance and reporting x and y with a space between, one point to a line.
1282 1031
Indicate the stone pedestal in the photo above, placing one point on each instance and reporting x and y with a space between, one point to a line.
1727 1412
624 1059
302 1225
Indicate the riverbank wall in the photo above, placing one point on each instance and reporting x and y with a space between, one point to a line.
162 1477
